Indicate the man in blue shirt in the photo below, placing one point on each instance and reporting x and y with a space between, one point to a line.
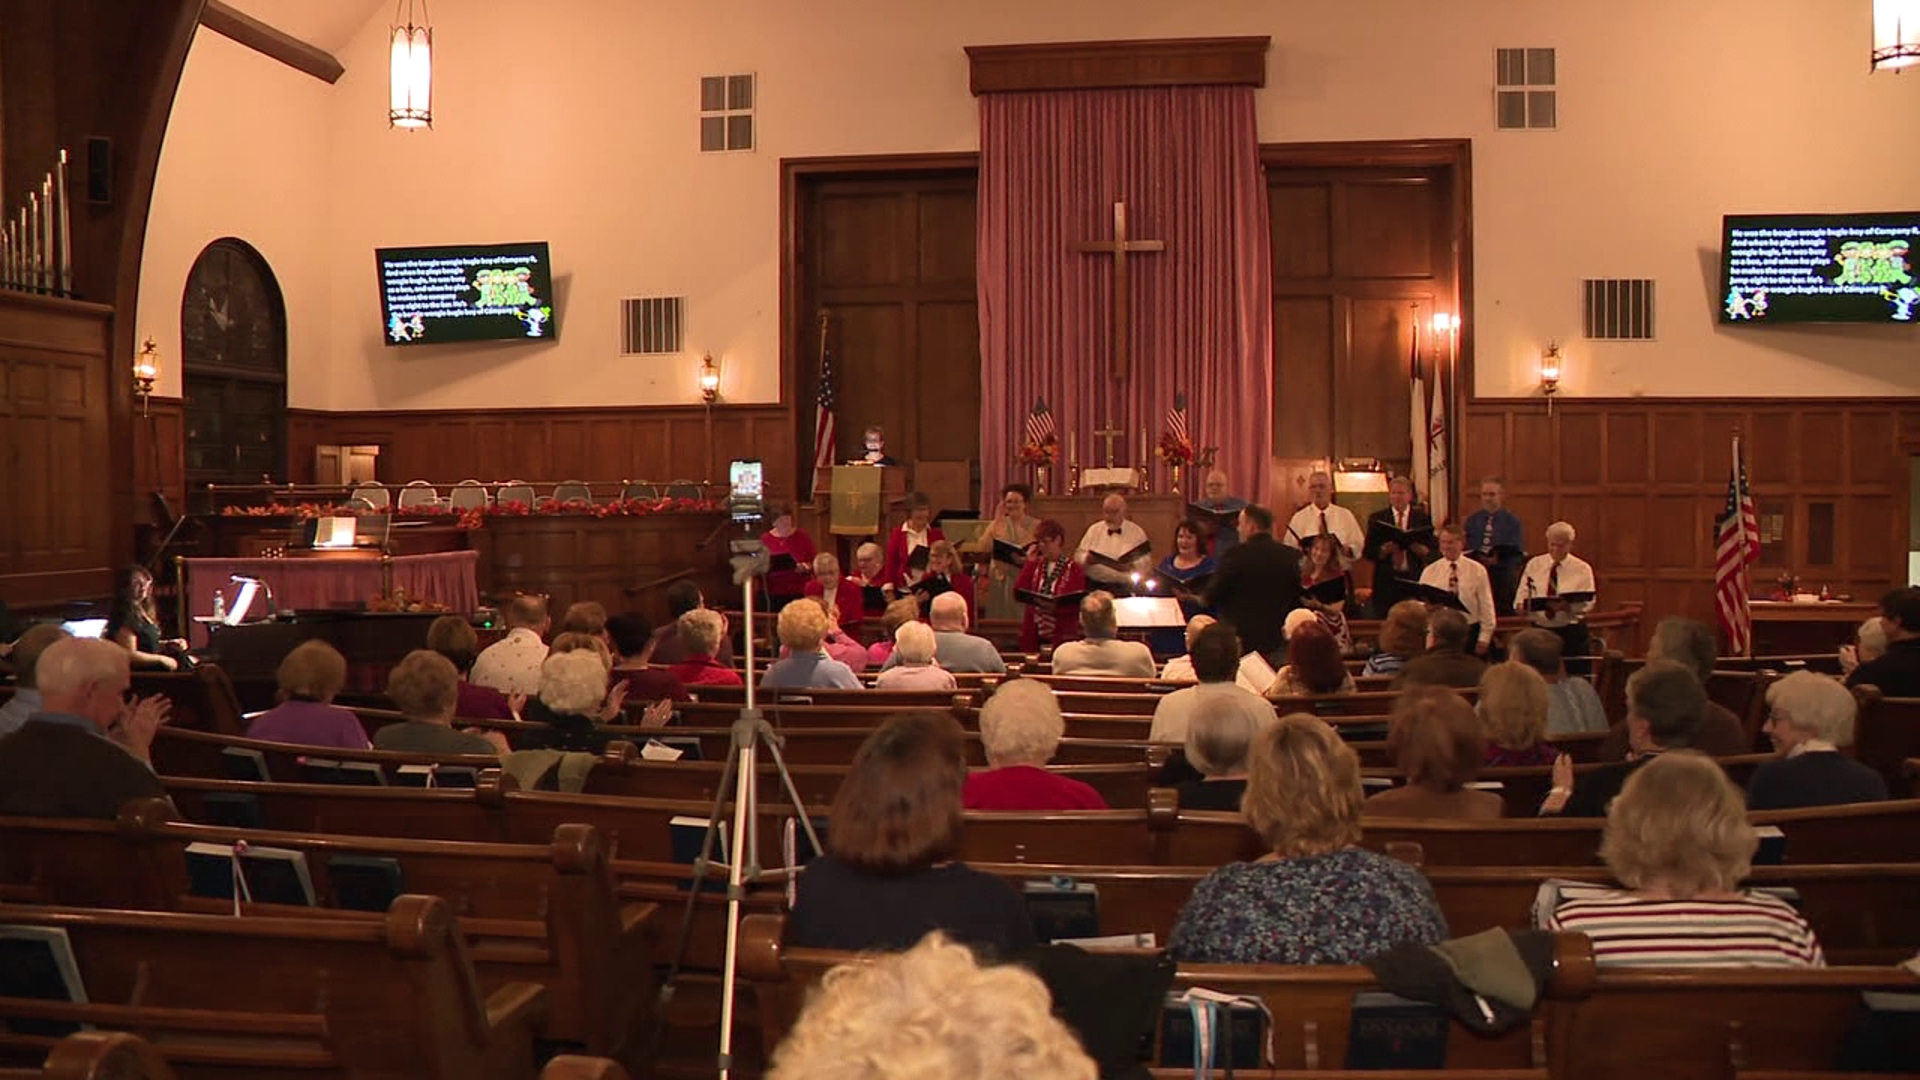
25 658
1496 541
84 754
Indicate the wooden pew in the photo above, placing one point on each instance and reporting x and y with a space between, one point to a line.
202 698
542 913
98 1055
1311 1006
1886 733
203 753
1863 914
220 997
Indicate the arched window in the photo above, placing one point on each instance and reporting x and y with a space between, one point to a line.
233 367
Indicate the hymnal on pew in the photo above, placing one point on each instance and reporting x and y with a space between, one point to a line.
1122 563
234 810
263 875
365 882
1235 1035
687 834
1438 597
244 763
1391 1032
436 776
37 963
1063 908
328 771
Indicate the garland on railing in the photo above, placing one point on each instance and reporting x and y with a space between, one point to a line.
475 517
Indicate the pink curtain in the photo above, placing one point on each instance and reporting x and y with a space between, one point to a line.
447 577
1186 161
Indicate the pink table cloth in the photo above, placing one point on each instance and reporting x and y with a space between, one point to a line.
332 582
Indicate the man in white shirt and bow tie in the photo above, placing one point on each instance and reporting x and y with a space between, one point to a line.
1324 517
1455 573
1551 577
1114 537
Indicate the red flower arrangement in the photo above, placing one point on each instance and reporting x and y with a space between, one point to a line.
1175 450
475 517
1040 453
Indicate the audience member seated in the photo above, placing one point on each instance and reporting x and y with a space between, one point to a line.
309 678
932 1011
1020 729
1810 717
25 656
1402 635
914 646
425 688
835 643
785 537
1215 653
1513 711
897 614
956 649
1218 738
1100 651
1573 705
84 752
1320 898
573 700
1678 839
630 636
134 625
668 648
1313 663
1869 644
890 875
1691 644
512 664
452 636
584 617
1446 661
803 629
1252 672
701 632
1897 671
1666 706
839 596
1437 744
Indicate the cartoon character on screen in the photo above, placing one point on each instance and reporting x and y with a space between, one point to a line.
536 320
397 328
1906 303
519 287
417 326
1738 306
1758 303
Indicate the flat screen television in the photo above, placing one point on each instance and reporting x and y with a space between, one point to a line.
1820 268
475 292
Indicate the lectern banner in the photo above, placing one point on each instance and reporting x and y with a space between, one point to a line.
855 507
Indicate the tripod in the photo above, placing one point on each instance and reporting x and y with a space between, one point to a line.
740 780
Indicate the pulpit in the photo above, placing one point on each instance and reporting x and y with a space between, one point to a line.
851 517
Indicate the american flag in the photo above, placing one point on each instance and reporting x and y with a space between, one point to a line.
1737 531
1040 423
823 409
1177 419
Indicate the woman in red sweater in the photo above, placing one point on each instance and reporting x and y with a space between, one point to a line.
1020 728
839 596
1049 574
786 538
917 531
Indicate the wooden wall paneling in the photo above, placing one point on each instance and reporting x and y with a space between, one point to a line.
1303 375
1383 227
1483 451
1676 447
1770 442
1581 447
1531 457
1373 397
1873 439
1081 65
609 446
1822 452
1300 218
159 459
1627 447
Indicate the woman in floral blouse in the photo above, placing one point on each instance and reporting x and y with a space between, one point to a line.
1319 898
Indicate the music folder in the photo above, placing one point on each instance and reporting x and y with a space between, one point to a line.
1011 554
1063 601
1438 597
1381 532
1331 591
918 558
1546 603
1123 563
1173 586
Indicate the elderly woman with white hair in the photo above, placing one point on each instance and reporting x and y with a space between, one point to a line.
1218 737
1677 837
1870 644
1020 728
1809 718
913 645
1556 589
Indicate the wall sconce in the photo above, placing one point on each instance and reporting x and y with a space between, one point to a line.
146 368
410 76
1445 323
709 380
1550 372
1896 34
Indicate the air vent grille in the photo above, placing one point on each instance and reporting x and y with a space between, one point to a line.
1619 309
651 325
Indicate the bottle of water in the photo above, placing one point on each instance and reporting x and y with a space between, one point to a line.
219 604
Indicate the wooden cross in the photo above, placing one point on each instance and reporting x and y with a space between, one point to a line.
1109 434
1119 247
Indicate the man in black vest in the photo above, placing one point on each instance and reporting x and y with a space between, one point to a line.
1257 584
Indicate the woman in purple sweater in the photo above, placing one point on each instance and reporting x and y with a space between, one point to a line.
309 677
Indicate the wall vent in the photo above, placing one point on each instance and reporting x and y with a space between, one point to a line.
1525 94
1619 309
726 113
651 325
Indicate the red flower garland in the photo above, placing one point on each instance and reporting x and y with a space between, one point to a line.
475 517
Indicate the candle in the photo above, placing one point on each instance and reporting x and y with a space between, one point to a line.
33 239
1073 448
46 231
66 226
6 255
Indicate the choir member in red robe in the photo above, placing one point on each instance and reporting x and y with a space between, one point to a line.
1051 572
839 596
786 538
917 531
944 574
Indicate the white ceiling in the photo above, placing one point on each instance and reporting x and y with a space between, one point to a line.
324 24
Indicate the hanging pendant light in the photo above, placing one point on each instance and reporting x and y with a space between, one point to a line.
1896 34
410 79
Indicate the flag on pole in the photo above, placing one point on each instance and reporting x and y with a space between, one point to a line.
1039 424
1177 420
1736 548
823 433
1417 428
1437 452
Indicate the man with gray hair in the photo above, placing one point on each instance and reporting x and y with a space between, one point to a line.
953 647
1322 517
1665 707
84 753
1690 644
1556 589
1809 718
1113 550
26 694
1100 651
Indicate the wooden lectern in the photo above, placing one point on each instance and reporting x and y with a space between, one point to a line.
893 490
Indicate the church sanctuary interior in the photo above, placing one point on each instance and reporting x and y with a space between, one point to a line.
859 538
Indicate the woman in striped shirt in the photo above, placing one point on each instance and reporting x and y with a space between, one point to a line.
1677 837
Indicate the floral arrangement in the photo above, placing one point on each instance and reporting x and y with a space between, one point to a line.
470 518
1040 453
398 600
1174 449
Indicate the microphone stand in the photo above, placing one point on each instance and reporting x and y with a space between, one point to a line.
740 781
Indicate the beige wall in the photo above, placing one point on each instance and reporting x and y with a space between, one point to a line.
578 127
245 156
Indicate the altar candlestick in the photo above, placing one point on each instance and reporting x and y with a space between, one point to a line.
33 234
6 255
48 275
66 226
1073 448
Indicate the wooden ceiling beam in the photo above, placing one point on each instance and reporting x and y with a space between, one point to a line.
229 21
